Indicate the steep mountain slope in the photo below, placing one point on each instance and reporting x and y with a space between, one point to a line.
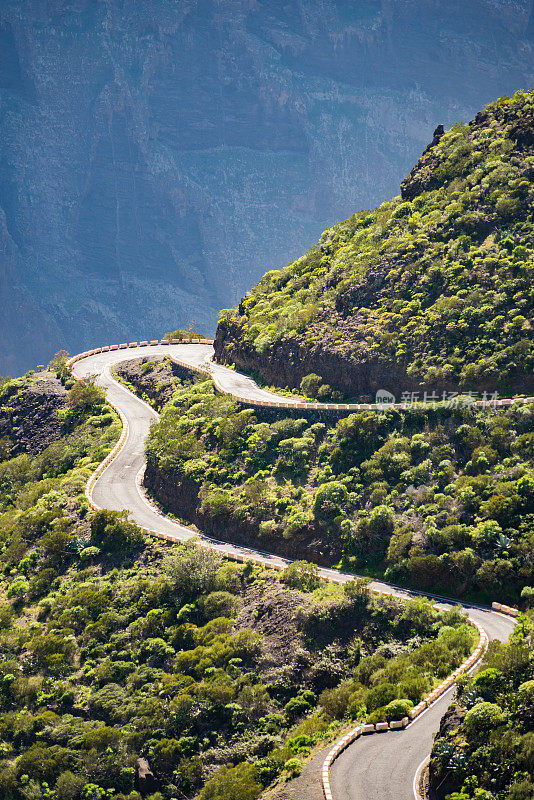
437 497
130 667
484 748
432 290
156 158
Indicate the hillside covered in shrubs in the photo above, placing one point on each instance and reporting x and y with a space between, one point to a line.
437 497
431 291
135 669
132 668
485 747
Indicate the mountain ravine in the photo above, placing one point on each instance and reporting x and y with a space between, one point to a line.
156 159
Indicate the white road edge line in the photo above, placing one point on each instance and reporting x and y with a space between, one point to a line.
417 776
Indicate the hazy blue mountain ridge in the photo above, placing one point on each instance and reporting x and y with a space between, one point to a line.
156 159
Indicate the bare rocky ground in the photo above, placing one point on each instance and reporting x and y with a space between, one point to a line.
29 419
269 609
307 786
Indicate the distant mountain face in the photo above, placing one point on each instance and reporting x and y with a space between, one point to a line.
157 158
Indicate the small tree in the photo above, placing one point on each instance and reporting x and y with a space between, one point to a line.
193 569
301 575
488 683
310 384
330 499
483 717
190 332
111 531
59 363
85 394
69 786
232 783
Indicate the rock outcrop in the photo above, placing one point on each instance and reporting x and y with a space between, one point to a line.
29 419
429 292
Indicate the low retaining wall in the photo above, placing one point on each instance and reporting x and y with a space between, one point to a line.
289 404
338 408
125 346
89 486
512 612
432 697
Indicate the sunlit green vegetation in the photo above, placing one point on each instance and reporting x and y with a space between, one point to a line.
182 333
439 498
116 648
490 755
438 285
130 667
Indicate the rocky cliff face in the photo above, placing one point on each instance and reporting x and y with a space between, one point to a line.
439 786
156 158
29 419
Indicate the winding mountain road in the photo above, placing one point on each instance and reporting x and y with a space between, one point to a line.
378 767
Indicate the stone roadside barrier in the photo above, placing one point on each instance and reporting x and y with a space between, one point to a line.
309 406
432 697
125 346
512 612
113 453
287 403
363 729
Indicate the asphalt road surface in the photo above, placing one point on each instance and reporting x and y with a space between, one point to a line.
377 767
383 766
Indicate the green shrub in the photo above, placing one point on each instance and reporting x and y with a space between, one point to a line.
488 683
330 499
101 421
111 531
232 783
380 695
301 575
310 384
397 709
292 768
193 569
221 604
85 394
483 716
69 786
296 707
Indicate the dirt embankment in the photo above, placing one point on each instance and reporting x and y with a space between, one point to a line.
269 609
440 785
288 361
180 495
151 378
29 419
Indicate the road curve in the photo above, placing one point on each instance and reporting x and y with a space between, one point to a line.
383 766
378 767
118 487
